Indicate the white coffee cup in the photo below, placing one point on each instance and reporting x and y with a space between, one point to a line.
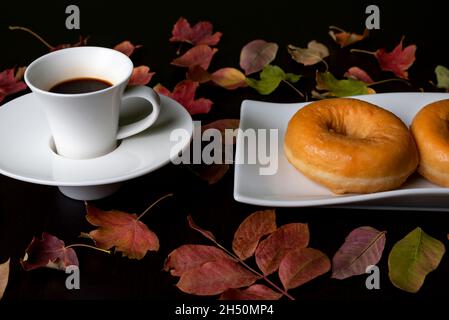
86 125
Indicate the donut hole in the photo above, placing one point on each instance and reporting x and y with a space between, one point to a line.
345 129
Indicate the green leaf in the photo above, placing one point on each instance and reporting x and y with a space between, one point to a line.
340 88
270 78
442 77
412 258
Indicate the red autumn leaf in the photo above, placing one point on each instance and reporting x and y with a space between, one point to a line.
222 125
200 55
211 173
198 74
184 93
209 235
121 230
256 54
141 76
255 292
48 252
272 250
302 265
344 38
215 277
229 78
251 230
4 277
126 47
201 33
358 74
191 256
11 82
397 61
81 42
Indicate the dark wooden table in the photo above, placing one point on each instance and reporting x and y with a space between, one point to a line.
26 210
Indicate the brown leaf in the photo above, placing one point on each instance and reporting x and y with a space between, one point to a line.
222 125
4 277
255 292
314 53
344 38
121 230
201 55
251 230
256 54
191 256
211 173
302 265
272 250
209 235
48 252
229 78
198 74
215 277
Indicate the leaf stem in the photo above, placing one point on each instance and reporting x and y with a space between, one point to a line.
388 80
34 34
255 272
337 28
153 204
293 87
87 246
362 51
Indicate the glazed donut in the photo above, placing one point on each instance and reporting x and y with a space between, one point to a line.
431 132
350 146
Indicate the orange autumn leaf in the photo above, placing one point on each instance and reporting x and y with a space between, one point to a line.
121 230
141 76
229 78
344 38
126 47
4 277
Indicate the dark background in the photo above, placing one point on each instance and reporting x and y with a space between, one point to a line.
26 210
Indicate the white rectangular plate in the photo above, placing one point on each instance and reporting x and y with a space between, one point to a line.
289 188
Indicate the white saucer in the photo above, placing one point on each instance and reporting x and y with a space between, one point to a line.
27 149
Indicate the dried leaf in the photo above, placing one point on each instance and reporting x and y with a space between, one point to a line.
270 78
4 277
357 73
229 78
198 74
251 230
340 88
302 265
126 47
344 38
272 250
141 76
184 93
257 54
397 61
121 230
82 41
222 125
363 247
209 235
211 173
200 55
201 33
215 277
11 82
191 256
412 258
254 292
314 53
48 252
442 74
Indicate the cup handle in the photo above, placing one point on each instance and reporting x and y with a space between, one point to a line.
138 126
